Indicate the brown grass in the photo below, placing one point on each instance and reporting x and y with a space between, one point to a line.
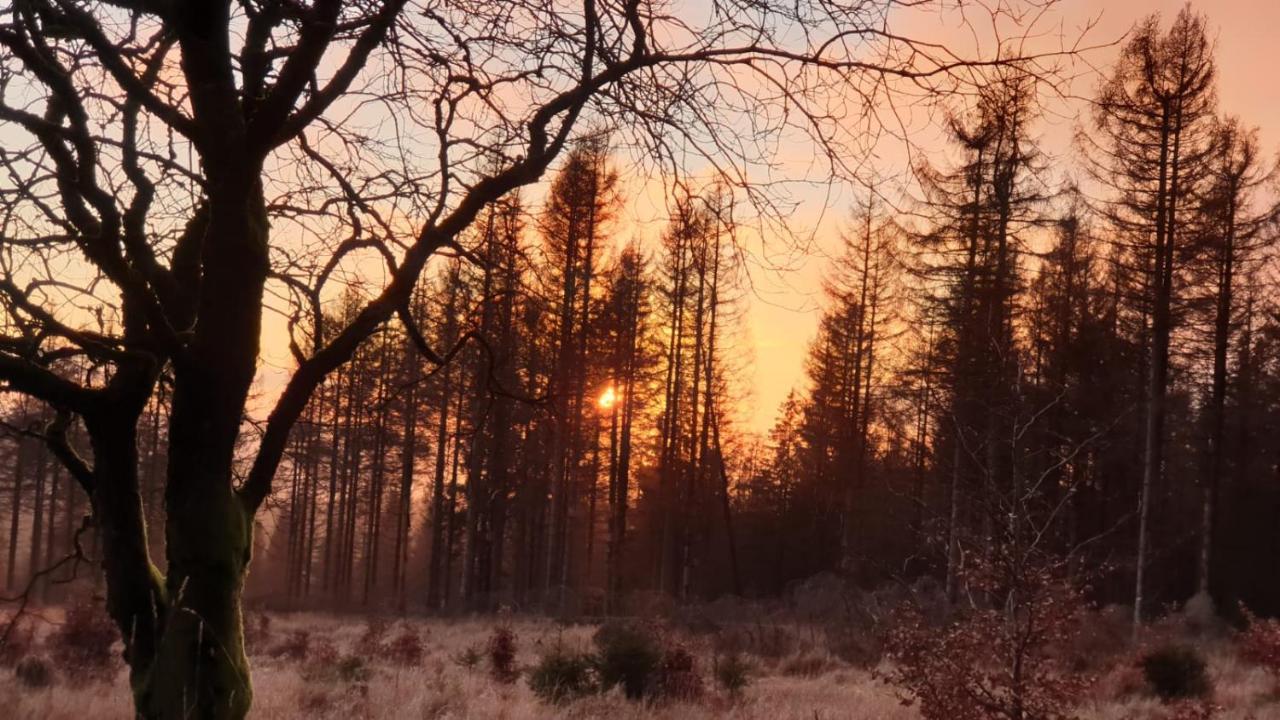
807 684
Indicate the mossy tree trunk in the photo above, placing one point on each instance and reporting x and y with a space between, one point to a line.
183 631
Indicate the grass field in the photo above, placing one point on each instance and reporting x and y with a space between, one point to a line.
345 671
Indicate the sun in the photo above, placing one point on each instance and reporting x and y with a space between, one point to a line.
607 398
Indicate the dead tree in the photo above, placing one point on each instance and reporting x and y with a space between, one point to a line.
1154 114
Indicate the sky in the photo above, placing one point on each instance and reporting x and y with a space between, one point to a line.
781 307
782 313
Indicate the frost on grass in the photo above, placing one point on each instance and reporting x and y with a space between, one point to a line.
340 668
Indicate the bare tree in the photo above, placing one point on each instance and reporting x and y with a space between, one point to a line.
1154 113
1234 233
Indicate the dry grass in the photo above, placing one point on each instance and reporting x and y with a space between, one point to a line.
806 684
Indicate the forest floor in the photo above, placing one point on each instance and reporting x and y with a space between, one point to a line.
310 665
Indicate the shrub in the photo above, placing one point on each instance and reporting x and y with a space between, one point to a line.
353 669
34 672
770 641
807 664
733 674
502 656
677 677
469 657
1199 616
763 640
82 646
316 701
257 632
1100 642
323 652
997 660
1175 672
1259 642
562 676
628 655
857 645
1121 680
1190 710
16 639
375 631
328 667
404 649
294 646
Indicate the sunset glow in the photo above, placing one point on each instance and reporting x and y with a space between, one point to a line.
607 398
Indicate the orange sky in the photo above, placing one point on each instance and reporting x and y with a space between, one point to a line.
781 307
784 321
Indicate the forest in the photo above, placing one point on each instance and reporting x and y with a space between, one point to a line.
1033 455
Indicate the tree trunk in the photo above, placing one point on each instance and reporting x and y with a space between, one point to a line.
1158 365
55 483
35 563
408 453
15 513
1218 396
198 668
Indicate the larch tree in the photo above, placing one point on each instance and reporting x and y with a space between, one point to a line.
581 207
629 353
969 257
1234 226
1154 115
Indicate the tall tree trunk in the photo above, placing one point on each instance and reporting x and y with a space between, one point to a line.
670 429
55 495
331 497
726 507
408 455
200 667
35 563
1224 306
15 512
436 561
1158 363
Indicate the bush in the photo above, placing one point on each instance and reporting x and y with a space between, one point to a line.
82 646
1259 642
16 638
316 701
257 632
1120 681
294 647
404 649
677 677
375 631
1176 672
468 658
733 674
34 672
352 669
628 655
1100 641
995 660
323 652
859 646
562 676
320 660
328 667
1190 710
807 664
762 640
502 656
1200 617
